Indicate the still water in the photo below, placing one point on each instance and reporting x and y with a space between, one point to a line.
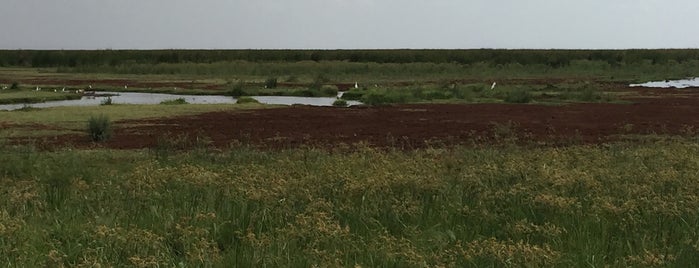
156 98
684 83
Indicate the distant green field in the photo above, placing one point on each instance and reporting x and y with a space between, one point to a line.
369 65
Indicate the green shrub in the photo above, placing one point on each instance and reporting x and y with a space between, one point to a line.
99 128
476 88
307 93
384 97
353 95
318 82
589 95
243 100
271 82
328 90
340 103
107 101
174 102
15 85
462 93
430 94
237 90
518 96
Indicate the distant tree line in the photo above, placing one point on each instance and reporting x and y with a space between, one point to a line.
553 58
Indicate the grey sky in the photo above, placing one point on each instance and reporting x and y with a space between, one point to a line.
348 24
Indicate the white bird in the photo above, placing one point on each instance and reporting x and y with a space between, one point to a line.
37 89
90 86
64 90
126 87
493 86
356 85
55 90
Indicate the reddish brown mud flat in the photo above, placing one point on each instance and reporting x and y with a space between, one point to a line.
413 126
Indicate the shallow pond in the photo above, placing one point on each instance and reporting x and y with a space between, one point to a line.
157 98
684 83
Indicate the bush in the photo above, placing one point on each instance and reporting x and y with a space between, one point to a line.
307 93
243 100
271 82
353 95
318 82
237 90
107 101
476 88
431 94
462 93
340 103
589 95
174 102
379 98
328 90
518 96
99 128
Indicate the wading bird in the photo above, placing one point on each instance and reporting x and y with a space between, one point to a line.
493 86
356 85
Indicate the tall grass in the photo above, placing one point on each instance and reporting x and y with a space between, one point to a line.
99 128
579 206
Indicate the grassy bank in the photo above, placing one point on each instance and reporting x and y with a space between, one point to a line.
615 204
33 96
482 93
61 120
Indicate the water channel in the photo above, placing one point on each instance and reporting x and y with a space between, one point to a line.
683 83
156 98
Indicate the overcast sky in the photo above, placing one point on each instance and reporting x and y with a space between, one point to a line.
348 24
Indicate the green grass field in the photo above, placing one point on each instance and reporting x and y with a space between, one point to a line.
580 206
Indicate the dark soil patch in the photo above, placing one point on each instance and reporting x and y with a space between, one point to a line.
410 126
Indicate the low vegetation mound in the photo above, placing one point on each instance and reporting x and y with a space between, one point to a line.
177 101
245 99
340 103
99 128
